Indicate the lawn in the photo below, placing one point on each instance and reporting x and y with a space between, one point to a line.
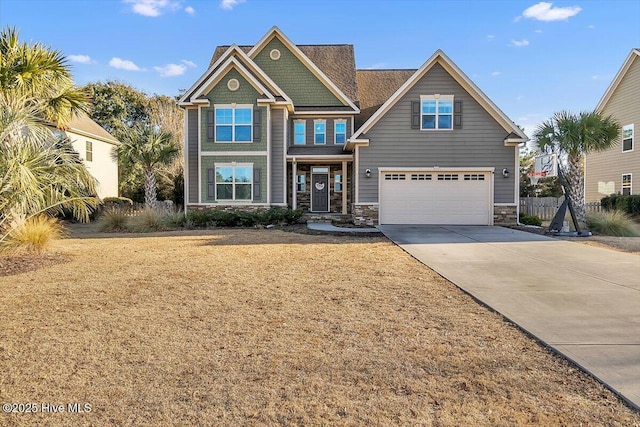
266 327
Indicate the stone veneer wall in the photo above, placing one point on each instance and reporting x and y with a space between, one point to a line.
303 198
505 215
365 214
228 208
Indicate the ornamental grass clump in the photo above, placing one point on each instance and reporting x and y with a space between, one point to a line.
33 234
113 219
613 223
147 220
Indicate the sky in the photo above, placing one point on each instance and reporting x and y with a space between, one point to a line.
531 58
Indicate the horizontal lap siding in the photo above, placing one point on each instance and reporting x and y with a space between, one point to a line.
192 147
277 156
480 143
209 162
608 166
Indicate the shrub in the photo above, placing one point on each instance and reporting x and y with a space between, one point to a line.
117 201
113 219
238 218
292 216
147 220
530 219
613 223
629 204
174 219
31 235
201 218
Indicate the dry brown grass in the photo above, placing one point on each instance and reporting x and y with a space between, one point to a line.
244 327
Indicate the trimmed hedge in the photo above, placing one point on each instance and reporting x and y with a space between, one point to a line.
627 204
530 219
240 218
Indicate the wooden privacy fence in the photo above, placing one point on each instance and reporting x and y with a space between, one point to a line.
546 207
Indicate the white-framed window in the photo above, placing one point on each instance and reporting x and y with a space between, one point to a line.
234 123
88 154
234 181
436 112
320 132
339 131
626 184
627 138
301 183
300 132
337 182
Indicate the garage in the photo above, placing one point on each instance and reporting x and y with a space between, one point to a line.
436 196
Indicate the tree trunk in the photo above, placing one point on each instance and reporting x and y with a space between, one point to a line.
150 197
575 184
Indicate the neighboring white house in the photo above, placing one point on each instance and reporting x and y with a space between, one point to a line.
95 147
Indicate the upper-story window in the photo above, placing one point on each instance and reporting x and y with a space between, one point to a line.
340 131
88 155
320 132
299 132
234 123
627 138
436 112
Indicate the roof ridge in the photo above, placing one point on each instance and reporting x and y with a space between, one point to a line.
386 69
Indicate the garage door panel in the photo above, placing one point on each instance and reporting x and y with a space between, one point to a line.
435 201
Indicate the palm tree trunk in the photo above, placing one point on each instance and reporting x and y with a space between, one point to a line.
150 197
575 184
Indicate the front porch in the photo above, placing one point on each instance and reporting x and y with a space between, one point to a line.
320 187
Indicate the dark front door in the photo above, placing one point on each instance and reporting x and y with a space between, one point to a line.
320 192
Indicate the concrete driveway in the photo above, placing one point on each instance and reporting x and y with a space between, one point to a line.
581 300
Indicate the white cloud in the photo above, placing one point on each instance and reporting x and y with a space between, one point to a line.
591 27
520 43
124 64
190 10
188 63
544 11
82 59
230 4
537 31
490 37
171 70
152 8
496 73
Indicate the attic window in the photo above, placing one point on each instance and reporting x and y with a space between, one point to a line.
274 54
233 85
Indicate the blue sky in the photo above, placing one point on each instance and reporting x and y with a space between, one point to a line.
531 58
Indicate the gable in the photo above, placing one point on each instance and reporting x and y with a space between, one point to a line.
624 101
295 79
221 94
628 73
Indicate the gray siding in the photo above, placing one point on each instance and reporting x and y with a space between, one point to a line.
480 142
277 160
192 150
604 170
330 129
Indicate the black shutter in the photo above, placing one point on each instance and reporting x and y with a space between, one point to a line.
257 125
415 114
210 125
211 183
457 115
257 184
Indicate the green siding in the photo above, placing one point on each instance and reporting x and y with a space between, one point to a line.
297 81
220 94
208 162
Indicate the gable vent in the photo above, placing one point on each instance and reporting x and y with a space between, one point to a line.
233 84
274 54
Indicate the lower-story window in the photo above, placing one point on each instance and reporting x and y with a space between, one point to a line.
337 184
301 183
234 182
626 184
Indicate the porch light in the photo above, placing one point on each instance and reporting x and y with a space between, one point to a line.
367 173
505 173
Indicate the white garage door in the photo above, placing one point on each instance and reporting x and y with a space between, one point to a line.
442 197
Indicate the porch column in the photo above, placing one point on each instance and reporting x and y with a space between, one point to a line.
344 188
294 171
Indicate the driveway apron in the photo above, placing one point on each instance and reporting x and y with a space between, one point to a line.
581 300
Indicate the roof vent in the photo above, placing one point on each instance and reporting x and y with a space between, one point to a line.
274 54
233 85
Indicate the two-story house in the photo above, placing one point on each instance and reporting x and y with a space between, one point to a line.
279 124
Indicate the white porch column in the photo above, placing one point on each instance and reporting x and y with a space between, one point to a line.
294 189
344 188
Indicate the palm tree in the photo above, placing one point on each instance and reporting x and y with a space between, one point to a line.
572 136
147 148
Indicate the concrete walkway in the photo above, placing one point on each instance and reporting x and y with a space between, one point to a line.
583 301
321 226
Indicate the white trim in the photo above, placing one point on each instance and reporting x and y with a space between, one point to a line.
324 123
337 122
436 97
505 204
622 187
304 133
633 138
233 108
345 171
185 153
324 113
234 153
294 194
366 204
436 169
457 74
275 31
236 204
356 174
633 55
94 136
268 177
301 157
328 174
285 132
200 153
516 190
233 183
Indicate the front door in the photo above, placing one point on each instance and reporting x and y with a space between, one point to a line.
320 192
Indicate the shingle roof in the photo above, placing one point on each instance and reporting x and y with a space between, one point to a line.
336 61
375 87
83 124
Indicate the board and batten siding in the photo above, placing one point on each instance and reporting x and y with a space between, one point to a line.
480 142
192 154
604 169
277 156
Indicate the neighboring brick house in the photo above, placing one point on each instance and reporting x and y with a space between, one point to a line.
614 170
279 124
